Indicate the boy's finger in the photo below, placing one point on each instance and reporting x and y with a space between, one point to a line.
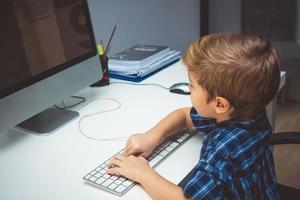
119 157
115 162
128 151
114 171
143 155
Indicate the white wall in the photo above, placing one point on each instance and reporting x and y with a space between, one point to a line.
174 23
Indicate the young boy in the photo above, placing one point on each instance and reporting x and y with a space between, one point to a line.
232 78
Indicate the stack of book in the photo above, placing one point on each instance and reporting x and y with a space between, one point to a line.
141 61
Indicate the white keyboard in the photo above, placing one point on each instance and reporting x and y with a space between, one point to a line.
119 185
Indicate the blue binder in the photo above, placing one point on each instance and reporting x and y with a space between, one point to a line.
144 73
136 78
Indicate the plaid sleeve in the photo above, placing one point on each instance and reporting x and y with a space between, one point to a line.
203 186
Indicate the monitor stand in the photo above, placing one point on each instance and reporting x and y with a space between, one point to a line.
48 120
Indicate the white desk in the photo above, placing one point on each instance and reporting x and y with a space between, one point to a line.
52 167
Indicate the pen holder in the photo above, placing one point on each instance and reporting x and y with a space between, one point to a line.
105 75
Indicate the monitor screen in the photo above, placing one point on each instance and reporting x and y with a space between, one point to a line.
48 51
40 38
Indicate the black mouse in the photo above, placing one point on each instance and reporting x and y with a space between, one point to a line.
180 88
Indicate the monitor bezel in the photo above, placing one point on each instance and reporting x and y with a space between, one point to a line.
58 68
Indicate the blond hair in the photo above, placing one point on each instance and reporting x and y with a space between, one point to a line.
244 69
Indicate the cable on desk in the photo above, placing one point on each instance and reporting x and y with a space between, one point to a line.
109 110
71 106
97 113
104 111
141 84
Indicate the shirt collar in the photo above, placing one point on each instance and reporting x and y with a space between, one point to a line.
258 122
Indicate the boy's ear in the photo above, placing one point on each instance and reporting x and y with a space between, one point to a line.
222 105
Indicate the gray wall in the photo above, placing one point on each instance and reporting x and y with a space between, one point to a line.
225 16
174 23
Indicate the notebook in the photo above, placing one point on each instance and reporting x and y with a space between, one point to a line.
147 70
136 57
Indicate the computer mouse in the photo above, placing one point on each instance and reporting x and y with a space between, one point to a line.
180 88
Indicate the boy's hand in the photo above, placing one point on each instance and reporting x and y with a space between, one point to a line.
140 145
131 166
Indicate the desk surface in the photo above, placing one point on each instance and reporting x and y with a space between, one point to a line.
52 167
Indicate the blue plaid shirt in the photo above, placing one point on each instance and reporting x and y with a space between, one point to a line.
236 160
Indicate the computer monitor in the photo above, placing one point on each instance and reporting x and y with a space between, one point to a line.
47 52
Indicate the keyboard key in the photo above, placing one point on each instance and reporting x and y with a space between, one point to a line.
114 177
93 172
174 144
155 160
98 169
118 182
107 182
169 148
122 178
127 182
87 176
106 176
112 186
164 153
100 180
120 188
93 178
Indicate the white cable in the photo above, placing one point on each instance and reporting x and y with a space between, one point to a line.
109 110
100 112
141 84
